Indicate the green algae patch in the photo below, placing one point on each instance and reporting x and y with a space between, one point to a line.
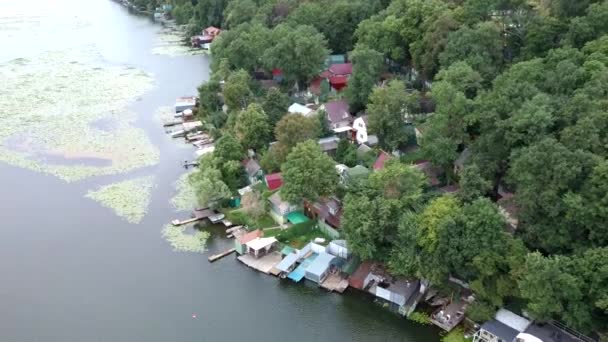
51 106
171 41
184 242
185 199
129 199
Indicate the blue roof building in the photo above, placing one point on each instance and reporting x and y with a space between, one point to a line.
319 268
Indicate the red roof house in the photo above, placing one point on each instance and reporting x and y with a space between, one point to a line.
382 158
274 181
337 75
338 82
341 69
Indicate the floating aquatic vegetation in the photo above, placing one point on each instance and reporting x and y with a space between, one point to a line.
185 199
129 199
184 242
171 41
55 100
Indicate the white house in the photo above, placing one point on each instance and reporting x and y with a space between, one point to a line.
360 125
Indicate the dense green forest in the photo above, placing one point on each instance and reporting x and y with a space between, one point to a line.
522 85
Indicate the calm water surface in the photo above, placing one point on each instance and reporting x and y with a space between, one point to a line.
70 270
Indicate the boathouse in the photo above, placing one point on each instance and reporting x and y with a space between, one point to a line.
241 241
260 246
319 269
288 263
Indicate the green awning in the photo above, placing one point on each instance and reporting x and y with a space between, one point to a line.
287 250
297 217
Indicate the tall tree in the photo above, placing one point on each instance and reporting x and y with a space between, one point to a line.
367 66
481 47
275 104
253 128
239 12
228 148
208 184
346 153
293 129
298 51
308 173
242 47
386 114
400 182
543 174
472 184
210 12
237 93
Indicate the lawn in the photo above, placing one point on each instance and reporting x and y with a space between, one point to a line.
297 236
268 232
239 217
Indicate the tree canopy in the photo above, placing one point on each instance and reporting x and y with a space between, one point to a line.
308 173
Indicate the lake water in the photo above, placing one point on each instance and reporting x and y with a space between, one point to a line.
71 270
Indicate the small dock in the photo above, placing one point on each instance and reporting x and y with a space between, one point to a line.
197 215
216 257
177 222
335 283
264 264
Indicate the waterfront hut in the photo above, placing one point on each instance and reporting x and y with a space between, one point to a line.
404 293
320 268
184 103
260 246
510 327
338 248
361 278
241 241
288 264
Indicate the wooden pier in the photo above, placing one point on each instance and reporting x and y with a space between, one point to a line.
221 255
177 222
197 215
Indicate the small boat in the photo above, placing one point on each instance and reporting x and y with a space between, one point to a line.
178 134
216 218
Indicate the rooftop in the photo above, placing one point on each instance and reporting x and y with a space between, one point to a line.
337 111
252 167
382 158
261 242
329 143
501 330
243 239
512 320
550 333
320 264
274 181
297 108
341 69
